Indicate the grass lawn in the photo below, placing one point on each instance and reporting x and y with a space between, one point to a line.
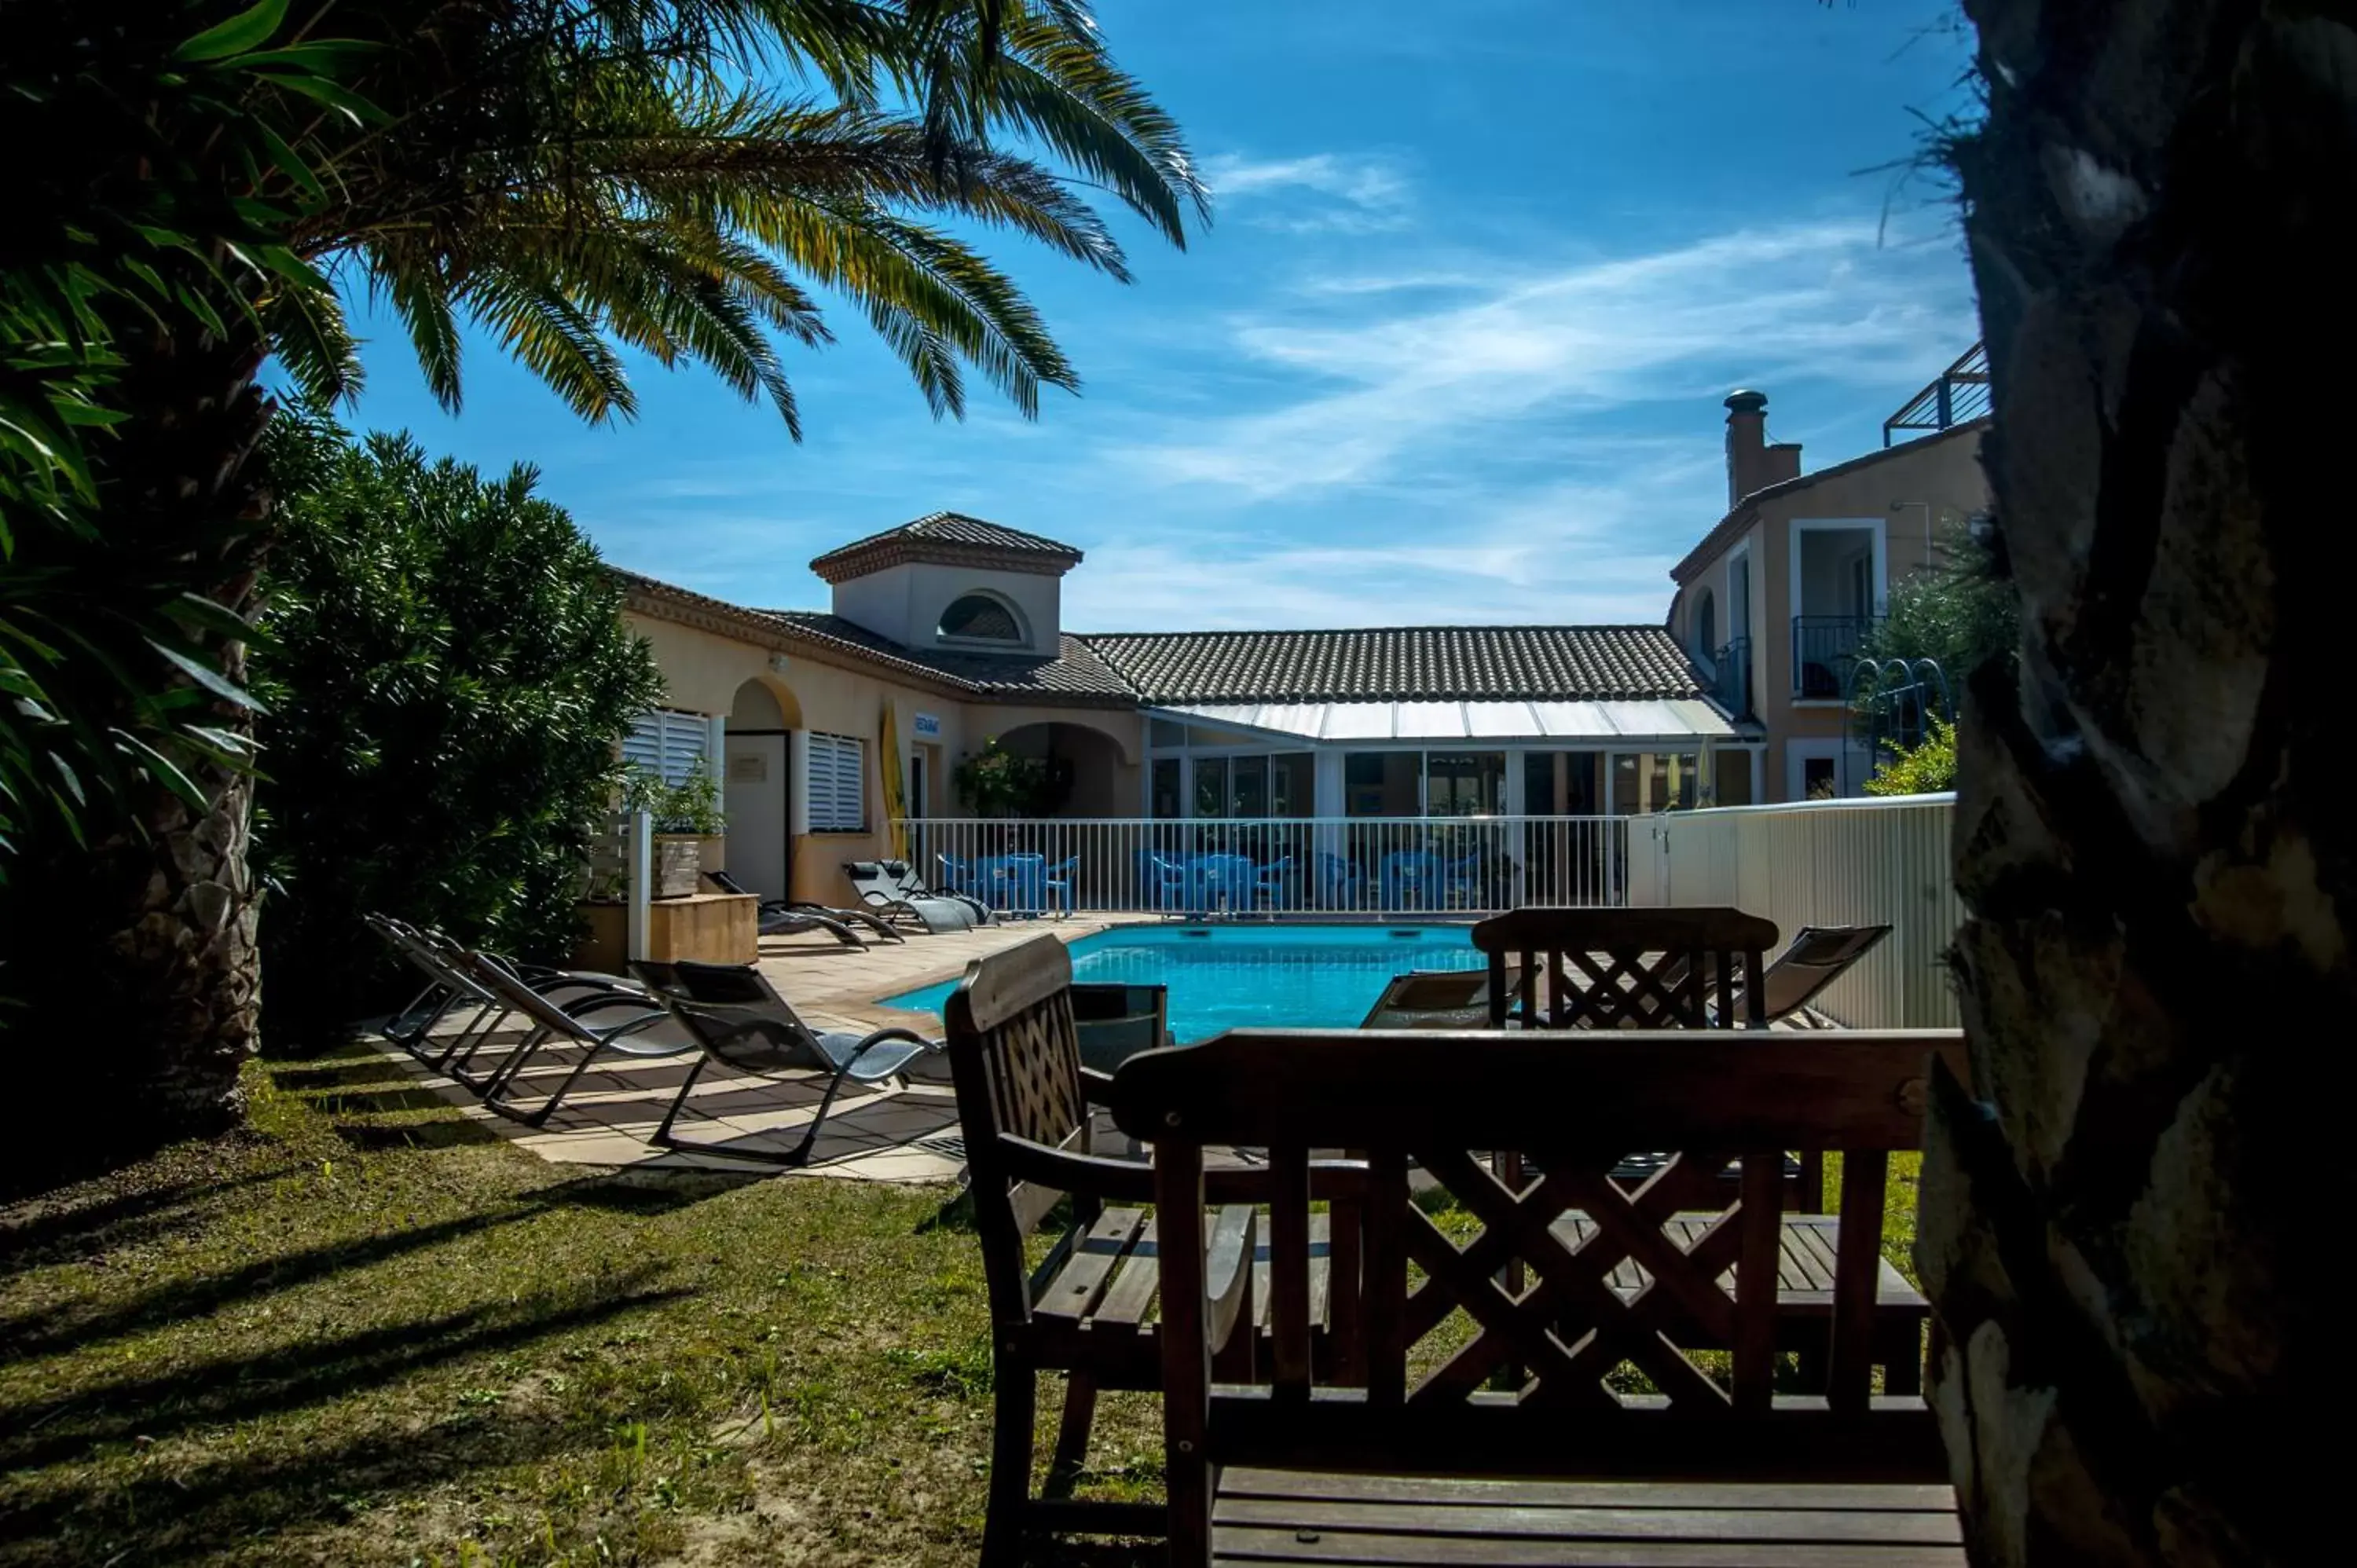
367 1332
362 1333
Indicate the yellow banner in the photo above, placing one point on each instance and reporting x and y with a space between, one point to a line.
887 764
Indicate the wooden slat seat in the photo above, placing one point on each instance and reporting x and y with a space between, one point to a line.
1276 1516
1568 1326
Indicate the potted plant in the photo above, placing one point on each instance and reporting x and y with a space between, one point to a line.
685 814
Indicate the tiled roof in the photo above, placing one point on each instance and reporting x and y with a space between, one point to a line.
951 538
1075 672
1432 663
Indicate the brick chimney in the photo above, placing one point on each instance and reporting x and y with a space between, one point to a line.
1753 462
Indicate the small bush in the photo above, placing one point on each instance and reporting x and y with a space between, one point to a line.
1926 770
447 680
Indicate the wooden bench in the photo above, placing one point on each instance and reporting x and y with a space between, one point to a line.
1586 1371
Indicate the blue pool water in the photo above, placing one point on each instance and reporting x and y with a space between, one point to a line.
1234 977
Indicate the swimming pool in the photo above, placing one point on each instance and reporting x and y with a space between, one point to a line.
1234 977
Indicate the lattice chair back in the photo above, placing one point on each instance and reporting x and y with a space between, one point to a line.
1015 1059
1644 1338
1675 968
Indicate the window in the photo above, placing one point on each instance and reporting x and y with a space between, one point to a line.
1166 788
1292 784
1248 787
1465 784
1820 777
981 617
837 785
1210 786
669 744
1383 784
1706 627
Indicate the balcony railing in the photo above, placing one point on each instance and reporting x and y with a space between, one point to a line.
1823 648
1731 677
1367 866
1961 394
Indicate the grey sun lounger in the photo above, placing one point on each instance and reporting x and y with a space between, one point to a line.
739 1020
787 916
883 894
615 1022
911 884
1818 956
1435 999
452 985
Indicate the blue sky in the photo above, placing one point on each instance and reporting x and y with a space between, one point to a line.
1452 350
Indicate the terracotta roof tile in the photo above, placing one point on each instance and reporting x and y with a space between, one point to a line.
951 537
1417 663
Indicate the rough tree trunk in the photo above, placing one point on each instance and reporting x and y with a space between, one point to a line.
2130 1227
149 936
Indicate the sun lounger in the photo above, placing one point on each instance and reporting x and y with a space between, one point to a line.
787 918
1434 999
451 985
910 884
1819 956
882 894
739 1020
616 1021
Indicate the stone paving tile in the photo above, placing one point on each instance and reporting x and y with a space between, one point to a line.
907 1135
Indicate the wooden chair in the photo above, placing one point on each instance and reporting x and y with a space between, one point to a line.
1769 1477
1090 1308
1627 969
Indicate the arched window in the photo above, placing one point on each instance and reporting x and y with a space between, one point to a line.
981 617
1707 626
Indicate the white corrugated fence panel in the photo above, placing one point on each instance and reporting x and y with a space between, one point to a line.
1838 863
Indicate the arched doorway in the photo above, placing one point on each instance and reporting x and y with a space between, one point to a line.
1088 776
755 791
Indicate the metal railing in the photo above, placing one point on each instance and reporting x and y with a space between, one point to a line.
1731 677
1961 394
1823 648
1833 862
1371 867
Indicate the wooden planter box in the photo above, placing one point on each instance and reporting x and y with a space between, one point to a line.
710 927
677 861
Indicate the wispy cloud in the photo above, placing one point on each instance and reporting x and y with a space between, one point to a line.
1331 192
1388 381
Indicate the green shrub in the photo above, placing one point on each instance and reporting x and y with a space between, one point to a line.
450 682
1926 770
690 805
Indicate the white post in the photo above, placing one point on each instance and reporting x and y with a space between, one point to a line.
639 849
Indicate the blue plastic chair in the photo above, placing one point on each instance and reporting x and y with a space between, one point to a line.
1056 885
1228 879
1463 887
1410 879
1173 883
1271 883
1340 883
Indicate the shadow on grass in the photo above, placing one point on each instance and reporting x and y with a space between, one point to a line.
72 1325
377 1137
315 1372
68 1230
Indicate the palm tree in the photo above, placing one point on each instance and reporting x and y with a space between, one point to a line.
573 178
2128 1239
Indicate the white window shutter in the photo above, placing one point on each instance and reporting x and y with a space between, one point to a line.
836 785
669 744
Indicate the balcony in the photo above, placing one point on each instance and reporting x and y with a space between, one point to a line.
1731 679
1961 394
1823 648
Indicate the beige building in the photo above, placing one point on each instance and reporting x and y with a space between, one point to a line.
955 623
1772 604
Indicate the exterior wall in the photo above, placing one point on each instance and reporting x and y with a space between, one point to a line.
905 601
1909 494
705 672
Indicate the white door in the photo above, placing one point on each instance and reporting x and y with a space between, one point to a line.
754 800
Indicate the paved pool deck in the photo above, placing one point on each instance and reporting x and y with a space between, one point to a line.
907 1135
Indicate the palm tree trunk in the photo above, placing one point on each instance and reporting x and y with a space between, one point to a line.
146 979
2127 1221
